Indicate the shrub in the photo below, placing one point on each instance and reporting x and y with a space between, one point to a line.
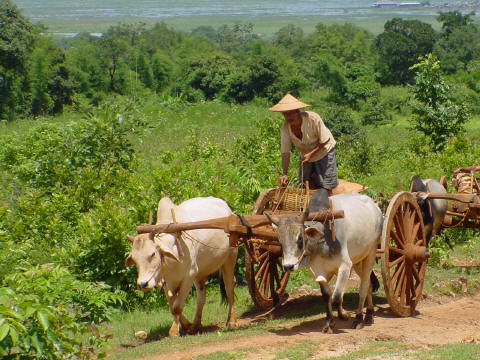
374 113
340 121
436 114
46 313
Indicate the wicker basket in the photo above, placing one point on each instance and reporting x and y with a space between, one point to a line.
296 199
293 199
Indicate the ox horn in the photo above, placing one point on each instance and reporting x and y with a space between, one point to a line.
304 215
272 219
130 238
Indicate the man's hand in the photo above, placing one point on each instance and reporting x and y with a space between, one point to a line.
282 181
307 157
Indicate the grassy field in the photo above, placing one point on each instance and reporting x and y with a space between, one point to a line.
169 129
262 25
267 17
440 280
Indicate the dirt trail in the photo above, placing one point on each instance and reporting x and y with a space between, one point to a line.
438 321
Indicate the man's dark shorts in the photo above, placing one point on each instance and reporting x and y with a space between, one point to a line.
321 173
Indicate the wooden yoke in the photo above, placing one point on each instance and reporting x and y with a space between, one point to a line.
231 224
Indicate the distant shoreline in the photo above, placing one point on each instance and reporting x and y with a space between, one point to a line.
63 22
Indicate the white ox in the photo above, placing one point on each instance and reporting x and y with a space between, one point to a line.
205 251
357 236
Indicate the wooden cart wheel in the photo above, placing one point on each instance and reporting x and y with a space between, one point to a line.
404 253
266 279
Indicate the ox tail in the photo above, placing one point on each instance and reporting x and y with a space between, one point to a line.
374 282
223 291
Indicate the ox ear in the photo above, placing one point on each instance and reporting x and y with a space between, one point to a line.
273 219
166 251
129 261
130 238
314 233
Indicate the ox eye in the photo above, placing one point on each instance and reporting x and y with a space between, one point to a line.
300 242
153 255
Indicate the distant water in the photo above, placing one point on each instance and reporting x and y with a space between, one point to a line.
77 9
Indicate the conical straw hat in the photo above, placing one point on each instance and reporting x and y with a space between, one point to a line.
288 103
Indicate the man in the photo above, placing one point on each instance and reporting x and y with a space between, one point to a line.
313 140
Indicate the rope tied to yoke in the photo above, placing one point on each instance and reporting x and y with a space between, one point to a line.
245 223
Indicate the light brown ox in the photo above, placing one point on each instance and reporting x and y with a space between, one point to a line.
205 251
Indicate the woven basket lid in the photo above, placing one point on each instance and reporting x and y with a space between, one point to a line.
288 103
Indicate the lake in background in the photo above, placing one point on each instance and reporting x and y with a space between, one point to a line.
96 15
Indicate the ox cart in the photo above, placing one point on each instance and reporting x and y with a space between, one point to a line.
403 249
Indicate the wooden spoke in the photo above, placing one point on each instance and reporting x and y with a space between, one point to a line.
399 283
399 232
262 256
397 239
266 283
415 231
412 288
396 261
261 269
398 251
403 288
397 273
415 274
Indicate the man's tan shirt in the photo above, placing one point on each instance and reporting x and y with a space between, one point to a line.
314 132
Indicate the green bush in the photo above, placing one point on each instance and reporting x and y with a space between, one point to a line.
45 313
374 113
340 121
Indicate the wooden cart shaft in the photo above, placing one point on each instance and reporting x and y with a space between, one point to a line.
233 224
465 198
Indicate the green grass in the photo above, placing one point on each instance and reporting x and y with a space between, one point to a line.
299 351
382 350
262 25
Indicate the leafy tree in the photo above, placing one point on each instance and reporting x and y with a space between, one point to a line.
86 67
162 69
161 37
17 36
40 74
60 85
347 43
436 115
209 74
206 31
49 78
399 47
358 84
340 121
374 113
453 20
143 69
459 41
292 39
112 53
235 38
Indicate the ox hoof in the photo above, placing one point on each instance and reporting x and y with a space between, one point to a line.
173 333
358 322
343 315
232 324
357 325
327 330
190 330
369 317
